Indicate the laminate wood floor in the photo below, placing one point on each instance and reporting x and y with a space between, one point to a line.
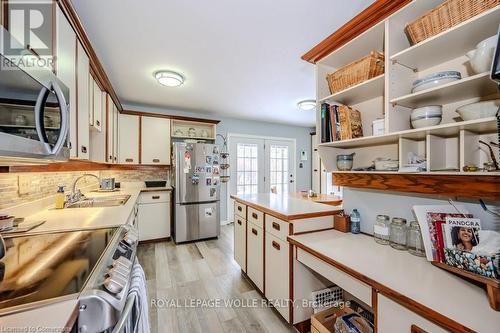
198 287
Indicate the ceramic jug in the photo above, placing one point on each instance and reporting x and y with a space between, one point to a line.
481 57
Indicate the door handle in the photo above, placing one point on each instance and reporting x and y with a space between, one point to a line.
276 226
254 232
276 245
291 180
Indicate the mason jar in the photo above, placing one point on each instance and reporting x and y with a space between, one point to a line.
381 229
398 233
414 240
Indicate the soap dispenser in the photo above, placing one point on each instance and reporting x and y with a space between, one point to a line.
60 197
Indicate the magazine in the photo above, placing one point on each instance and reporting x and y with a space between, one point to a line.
462 233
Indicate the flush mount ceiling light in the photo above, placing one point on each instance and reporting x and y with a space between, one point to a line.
307 104
169 79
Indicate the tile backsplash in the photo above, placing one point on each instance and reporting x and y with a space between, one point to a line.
18 188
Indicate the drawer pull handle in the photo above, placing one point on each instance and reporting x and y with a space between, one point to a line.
276 245
254 231
254 215
416 329
155 197
239 222
155 160
129 160
240 208
276 226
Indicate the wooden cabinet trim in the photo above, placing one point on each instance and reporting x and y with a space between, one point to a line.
173 117
416 329
403 300
369 17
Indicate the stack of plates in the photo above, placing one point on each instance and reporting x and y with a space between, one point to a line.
434 80
426 116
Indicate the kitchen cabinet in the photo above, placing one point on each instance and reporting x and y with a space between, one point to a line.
255 256
155 140
116 115
83 102
110 130
277 282
154 217
66 71
128 138
97 106
240 242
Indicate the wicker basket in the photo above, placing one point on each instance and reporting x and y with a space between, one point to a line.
356 72
445 16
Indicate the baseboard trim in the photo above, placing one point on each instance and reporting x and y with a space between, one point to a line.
156 240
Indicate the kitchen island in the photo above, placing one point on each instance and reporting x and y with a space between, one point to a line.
262 223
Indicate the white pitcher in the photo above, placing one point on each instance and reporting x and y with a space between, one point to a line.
481 57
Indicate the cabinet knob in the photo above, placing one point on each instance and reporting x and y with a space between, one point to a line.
254 231
155 197
84 149
276 245
254 215
98 123
129 160
239 222
240 208
156 160
276 226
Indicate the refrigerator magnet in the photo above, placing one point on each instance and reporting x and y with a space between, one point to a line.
209 181
209 159
208 169
216 150
215 181
209 212
200 169
215 170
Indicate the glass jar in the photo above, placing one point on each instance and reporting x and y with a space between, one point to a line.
381 229
414 240
398 233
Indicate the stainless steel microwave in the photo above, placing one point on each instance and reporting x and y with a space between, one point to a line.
34 109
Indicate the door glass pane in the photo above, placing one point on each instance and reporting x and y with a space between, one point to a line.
246 168
279 169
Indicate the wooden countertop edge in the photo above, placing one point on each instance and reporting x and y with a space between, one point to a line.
399 298
281 216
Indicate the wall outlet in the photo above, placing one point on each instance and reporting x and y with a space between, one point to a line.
24 184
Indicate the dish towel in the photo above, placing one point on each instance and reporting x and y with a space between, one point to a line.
139 319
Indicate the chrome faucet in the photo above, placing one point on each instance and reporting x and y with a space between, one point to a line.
78 195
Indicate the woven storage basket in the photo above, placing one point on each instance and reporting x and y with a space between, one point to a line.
356 72
445 16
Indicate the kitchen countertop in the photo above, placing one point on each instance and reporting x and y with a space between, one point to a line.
403 273
326 199
286 207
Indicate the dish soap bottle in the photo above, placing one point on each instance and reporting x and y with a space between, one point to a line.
60 197
355 221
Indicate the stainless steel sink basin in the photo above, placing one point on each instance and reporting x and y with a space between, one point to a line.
106 201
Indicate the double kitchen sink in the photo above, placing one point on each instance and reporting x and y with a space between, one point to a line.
105 201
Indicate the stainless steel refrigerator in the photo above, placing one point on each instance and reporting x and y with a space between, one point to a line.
197 191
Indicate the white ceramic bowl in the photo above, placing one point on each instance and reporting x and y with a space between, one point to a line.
434 80
479 110
386 164
427 112
426 122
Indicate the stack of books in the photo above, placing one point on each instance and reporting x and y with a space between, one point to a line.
340 122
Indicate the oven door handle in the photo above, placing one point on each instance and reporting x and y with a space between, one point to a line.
39 119
126 313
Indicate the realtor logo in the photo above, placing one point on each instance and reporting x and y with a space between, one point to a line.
30 24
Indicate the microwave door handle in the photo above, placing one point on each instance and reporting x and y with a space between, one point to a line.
63 106
39 111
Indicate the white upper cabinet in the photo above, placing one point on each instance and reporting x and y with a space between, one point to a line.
66 71
128 134
110 129
155 140
83 102
116 115
97 109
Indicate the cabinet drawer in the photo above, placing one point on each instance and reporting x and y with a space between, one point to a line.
240 209
255 216
277 274
345 281
277 227
394 318
240 242
255 254
154 197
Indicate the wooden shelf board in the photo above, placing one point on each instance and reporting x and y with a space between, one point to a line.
359 93
484 125
455 42
192 137
486 187
473 86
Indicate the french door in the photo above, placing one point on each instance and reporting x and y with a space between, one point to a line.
260 166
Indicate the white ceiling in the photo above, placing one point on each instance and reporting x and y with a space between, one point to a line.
240 58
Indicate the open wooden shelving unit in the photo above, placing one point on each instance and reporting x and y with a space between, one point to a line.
449 146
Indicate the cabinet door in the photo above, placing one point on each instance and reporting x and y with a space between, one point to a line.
277 274
155 141
97 109
255 257
394 318
110 129
66 72
83 98
128 146
116 138
240 242
154 221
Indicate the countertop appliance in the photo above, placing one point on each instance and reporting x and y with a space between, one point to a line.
34 109
197 191
91 265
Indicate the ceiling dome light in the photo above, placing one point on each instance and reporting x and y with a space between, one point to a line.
169 79
307 104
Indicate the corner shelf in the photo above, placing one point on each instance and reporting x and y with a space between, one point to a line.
473 86
359 93
452 43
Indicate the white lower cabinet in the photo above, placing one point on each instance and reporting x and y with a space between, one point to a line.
240 242
154 215
255 254
394 318
277 274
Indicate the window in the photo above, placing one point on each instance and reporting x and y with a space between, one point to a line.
247 169
279 169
